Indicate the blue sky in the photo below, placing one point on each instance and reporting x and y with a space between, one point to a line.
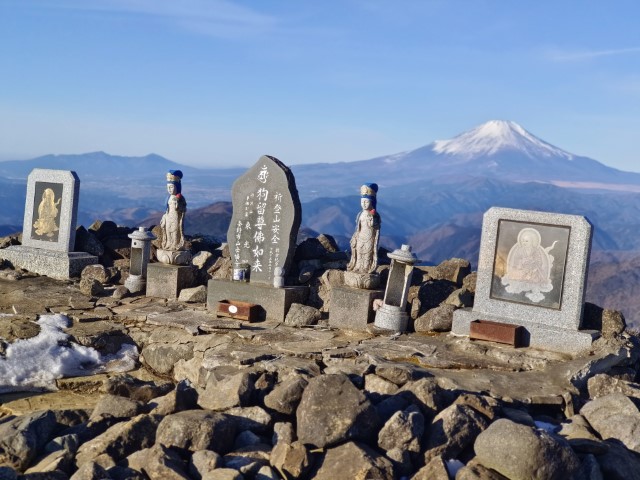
219 83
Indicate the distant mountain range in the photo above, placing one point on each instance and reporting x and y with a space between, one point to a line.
432 197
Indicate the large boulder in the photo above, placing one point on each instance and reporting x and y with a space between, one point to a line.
615 416
520 452
354 461
197 430
333 410
22 438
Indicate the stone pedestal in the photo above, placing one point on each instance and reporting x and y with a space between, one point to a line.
535 335
166 281
54 264
274 301
352 308
389 317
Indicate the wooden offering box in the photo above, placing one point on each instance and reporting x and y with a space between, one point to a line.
249 312
497 332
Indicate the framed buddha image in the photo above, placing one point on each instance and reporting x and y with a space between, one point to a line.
46 211
529 263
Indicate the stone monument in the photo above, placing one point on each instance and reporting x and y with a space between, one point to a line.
352 306
262 236
392 315
173 273
140 253
49 228
532 272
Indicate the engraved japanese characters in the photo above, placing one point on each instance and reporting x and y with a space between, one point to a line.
172 224
364 242
266 219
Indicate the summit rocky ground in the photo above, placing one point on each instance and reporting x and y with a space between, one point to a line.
213 398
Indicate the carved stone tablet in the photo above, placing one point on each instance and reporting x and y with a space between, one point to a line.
51 209
266 219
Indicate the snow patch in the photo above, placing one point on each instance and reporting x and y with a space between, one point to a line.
35 363
494 136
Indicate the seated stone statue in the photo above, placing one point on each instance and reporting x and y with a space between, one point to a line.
172 224
364 242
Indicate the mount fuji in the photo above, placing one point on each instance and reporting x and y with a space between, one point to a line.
497 149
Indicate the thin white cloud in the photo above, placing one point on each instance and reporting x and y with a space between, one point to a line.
572 56
221 18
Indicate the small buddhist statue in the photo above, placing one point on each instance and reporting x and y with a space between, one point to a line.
361 271
172 249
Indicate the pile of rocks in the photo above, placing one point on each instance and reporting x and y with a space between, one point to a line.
296 420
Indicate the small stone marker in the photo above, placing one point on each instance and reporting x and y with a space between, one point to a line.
49 228
266 219
531 272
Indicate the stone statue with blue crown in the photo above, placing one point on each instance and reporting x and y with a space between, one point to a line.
173 250
361 271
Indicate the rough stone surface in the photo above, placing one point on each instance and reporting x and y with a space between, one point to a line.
404 430
353 460
352 308
602 384
436 469
234 391
613 323
115 407
203 461
333 410
159 463
285 396
437 319
197 430
193 295
301 315
91 287
292 458
615 416
520 452
95 272
22 438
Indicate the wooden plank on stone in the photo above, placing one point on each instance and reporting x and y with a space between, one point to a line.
497 332
238 310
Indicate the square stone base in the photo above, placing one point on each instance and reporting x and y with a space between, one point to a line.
535 335
58 265
275 302
352 308
166 281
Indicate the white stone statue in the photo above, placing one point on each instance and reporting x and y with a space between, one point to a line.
172 224
529 266
364 242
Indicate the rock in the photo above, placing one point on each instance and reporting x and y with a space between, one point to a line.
223 474
577 427
234 391
398 373
183 397
460 298
602 384
202 259
483 404
476 471
120 292
95 272
377 386
267 473
452 430
60 460
254 418
246 439
91 287
283 432
618 463
86 241
430 295
590 469
520 452
469 282
427 395
613 323
453 270
159 463
90 471
301 315
285 396
203 461
161 357
197 430
308 249
115 407
125 473
293 459
248 460
333 410
194 295
438 319
222 268
120 440
353 461
133 388
22 438
404 430
436 469
614 416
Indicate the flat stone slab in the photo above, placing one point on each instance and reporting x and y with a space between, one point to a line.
52 263
192 321
275 301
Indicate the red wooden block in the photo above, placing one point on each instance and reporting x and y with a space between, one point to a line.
497 332
239 310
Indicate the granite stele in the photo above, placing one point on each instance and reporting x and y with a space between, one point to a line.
262 240
49 229
532 272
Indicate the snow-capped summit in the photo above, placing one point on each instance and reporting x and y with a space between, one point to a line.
495 136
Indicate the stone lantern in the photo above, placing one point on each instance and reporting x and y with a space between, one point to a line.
140 253
392 314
